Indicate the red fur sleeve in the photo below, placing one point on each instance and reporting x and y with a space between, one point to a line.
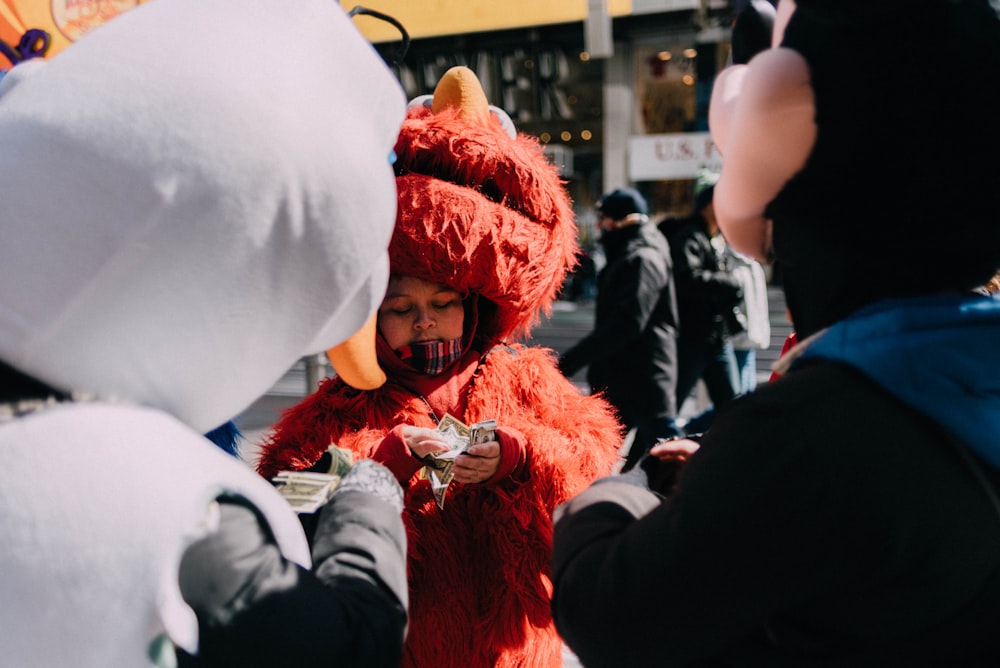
570 439
336 413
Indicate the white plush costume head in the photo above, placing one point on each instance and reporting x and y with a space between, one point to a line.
192 197
186 209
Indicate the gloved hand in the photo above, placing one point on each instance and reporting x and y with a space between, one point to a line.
335 460
371 477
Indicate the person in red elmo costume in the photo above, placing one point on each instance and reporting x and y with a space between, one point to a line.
484 238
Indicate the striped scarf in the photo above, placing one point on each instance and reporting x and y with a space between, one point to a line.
431 357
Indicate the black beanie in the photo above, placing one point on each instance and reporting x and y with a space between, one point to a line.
621 202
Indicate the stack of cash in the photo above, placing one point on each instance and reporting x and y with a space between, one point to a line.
306 491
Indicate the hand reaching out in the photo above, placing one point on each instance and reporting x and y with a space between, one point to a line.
677 450
657 471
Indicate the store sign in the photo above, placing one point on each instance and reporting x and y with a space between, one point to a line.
65 21
681 155
459 17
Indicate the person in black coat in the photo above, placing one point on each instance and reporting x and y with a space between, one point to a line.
708 301
632 350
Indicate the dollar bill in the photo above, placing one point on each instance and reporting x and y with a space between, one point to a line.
483 432
306 491
455 433
438 467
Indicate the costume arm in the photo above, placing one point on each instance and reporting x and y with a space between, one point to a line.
256 608
762 118
513 446
569 439
394 454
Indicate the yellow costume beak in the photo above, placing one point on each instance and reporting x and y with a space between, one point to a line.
460 88
355 361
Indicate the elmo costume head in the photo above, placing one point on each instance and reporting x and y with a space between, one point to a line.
480 208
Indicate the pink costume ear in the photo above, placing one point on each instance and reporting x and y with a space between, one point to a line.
355 360
761 117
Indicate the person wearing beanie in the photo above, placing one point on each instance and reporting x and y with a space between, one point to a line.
847 513
631 353
158 211
484 238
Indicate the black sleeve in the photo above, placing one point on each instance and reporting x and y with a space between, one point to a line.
641 580
699 277
256 608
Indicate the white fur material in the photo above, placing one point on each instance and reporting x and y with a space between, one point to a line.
94 522
192 197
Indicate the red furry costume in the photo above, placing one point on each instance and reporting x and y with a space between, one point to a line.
485 214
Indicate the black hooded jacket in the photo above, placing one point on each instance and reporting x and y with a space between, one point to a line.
632 350
706 291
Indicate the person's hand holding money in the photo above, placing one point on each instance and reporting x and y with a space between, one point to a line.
478 463
423 441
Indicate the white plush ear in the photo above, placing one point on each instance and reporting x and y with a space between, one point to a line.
182 224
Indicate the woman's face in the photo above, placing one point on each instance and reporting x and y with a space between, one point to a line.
416 310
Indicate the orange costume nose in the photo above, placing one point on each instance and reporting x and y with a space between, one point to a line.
354 360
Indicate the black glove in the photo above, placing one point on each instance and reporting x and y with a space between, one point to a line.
652 474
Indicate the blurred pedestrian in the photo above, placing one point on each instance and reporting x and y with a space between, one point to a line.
757 334
754 329
631 353
709 299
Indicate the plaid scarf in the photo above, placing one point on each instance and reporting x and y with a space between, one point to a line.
431 357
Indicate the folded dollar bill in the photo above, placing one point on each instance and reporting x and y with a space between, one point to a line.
306 491
437 467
